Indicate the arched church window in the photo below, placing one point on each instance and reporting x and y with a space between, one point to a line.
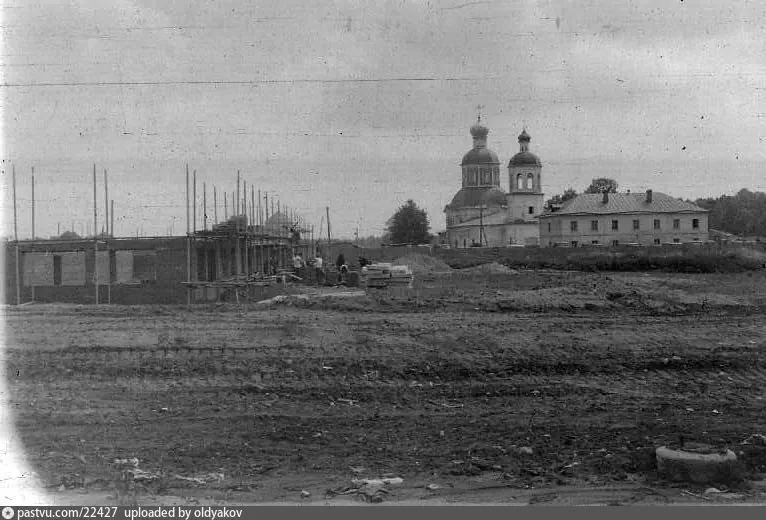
530 181
520 182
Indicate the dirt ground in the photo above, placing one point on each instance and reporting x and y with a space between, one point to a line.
507 387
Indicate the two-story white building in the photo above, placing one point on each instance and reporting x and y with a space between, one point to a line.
610 219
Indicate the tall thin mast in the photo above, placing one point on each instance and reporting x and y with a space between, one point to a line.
95 234
16 238
33 202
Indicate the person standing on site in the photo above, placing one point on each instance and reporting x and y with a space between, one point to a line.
318 267
339 263
298 265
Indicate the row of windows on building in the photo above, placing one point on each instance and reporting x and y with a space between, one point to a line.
594 225
657 242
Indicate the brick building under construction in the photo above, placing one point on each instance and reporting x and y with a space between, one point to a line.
231 261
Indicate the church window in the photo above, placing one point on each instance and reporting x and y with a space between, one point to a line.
520 182
573 226
531 210
615 225
696 223
656 223
530 181
676 223
636 224
594 225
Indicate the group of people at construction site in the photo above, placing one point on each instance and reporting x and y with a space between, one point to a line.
300 267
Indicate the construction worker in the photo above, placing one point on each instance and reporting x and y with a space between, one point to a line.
318 267
298 265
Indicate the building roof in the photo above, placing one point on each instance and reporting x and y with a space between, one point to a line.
525 159
480 156
593 204
475 196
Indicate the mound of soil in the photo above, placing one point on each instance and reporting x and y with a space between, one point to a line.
422 264
491 268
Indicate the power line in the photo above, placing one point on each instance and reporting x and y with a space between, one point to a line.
234 82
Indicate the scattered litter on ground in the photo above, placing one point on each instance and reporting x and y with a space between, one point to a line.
202 479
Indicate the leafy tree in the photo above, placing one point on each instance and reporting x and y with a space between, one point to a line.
742 214
568 194
602 185
409 225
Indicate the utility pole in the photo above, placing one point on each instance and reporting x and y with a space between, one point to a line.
16 238
106 202
482 236
95 234
204 206
194 201
215 207
329 240
33 202
188 242
111 216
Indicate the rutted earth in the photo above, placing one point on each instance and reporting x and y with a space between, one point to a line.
513 387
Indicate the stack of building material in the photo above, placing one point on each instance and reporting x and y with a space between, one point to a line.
386 275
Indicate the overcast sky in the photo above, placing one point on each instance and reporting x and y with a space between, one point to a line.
362 105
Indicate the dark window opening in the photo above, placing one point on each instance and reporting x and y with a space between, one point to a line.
594 225
696 223
676 223
636 224
615 225
656 223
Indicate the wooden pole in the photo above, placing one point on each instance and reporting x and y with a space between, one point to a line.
204 208
16 238
95 234
252 206
215 207
225 206
188 241
260 212
106 203
33 202
194 201
329 241
111 216
237 200
244 212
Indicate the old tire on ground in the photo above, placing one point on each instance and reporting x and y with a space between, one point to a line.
699 467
